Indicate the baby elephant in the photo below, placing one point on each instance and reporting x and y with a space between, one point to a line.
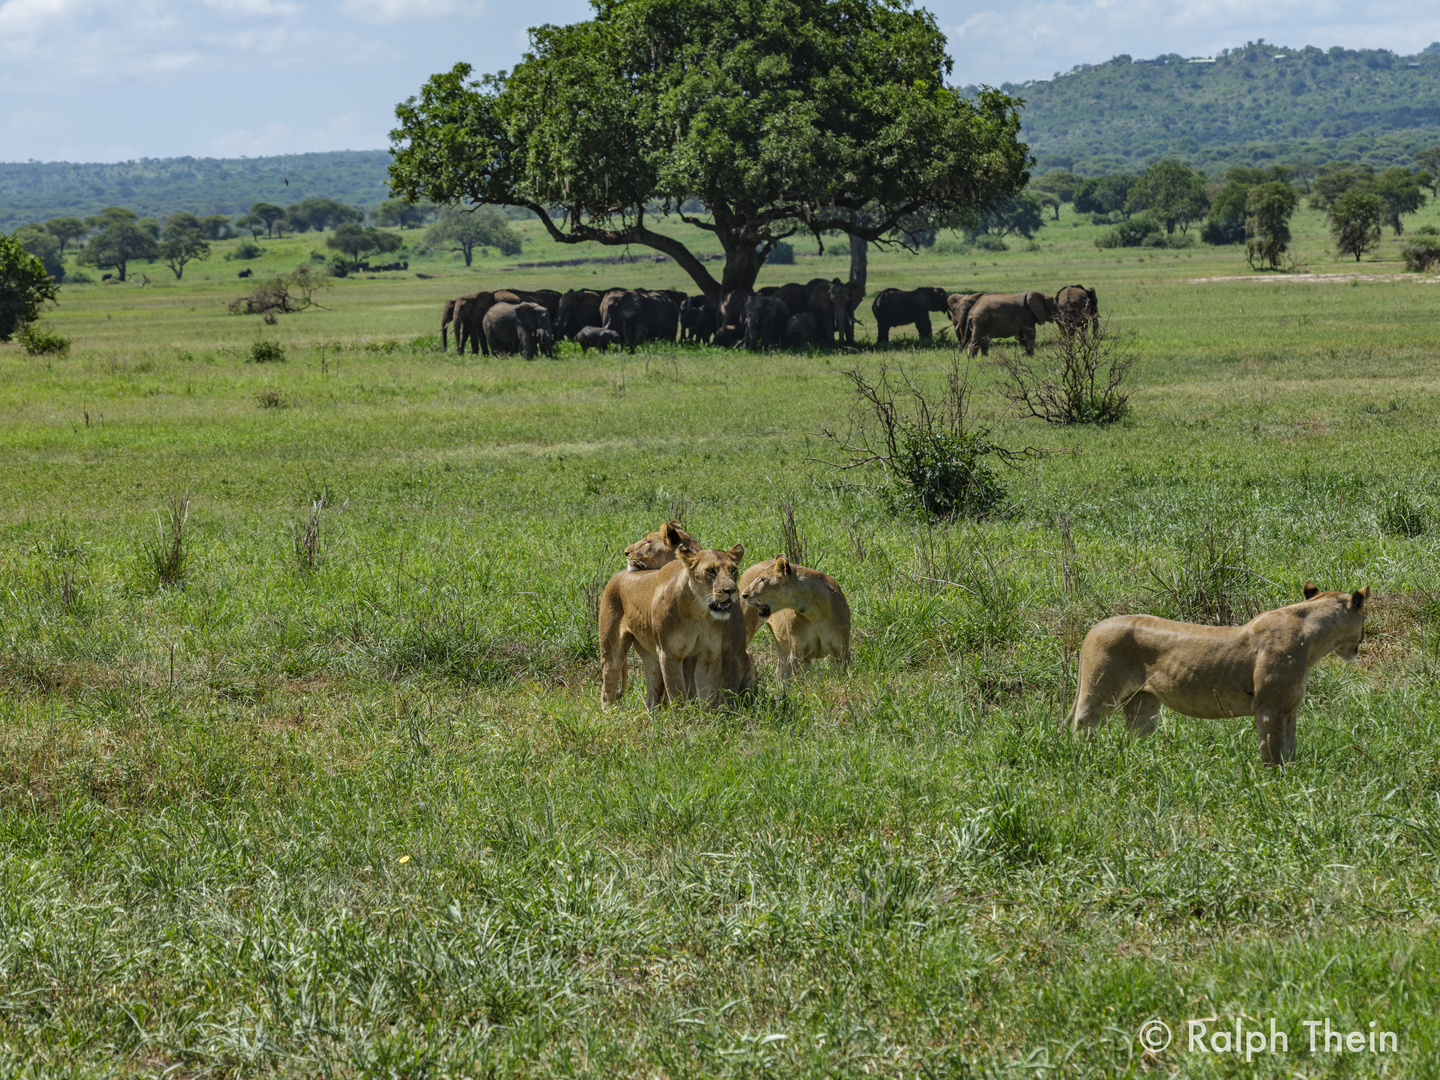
597 337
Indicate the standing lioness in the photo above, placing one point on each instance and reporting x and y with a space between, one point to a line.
806 611
1140 662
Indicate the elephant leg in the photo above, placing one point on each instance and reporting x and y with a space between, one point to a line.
527 344
922 325
1027 339
882 333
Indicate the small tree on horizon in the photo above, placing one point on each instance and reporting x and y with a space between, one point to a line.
1355 219
1171 192
1400 191
66 230
252 223
359 242
406 215
118 238
269 213
464 231
183 241
1267 224
41 242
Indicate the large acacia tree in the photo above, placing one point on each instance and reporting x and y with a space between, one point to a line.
775 116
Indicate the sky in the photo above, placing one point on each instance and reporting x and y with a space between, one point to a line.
101 80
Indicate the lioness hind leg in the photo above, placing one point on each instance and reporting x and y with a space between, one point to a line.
1140 713
1287 748
614 659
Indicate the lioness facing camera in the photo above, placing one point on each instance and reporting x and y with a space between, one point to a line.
1140 662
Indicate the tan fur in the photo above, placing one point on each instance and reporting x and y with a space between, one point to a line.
1140 662
682 620
662 546
805 610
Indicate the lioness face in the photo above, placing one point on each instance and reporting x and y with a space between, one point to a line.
713 576
770 589
660 547
1351 611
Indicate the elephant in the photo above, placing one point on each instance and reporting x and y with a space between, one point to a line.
764 322
549 299
895 307
1078 306
447 317
468 314
247 272
697 320
525 328
960 305
639 315
834 315
802 331
596 337
578 309
1008 315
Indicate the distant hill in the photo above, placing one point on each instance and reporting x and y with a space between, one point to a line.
155 187
1245 106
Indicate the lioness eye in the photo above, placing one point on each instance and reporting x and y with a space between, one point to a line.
711 571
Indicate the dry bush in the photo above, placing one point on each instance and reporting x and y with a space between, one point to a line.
1209 582
791 541
1075 378
168 556
286 294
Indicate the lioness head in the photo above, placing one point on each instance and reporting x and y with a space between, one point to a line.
768 585
712 578
1346 612
660 547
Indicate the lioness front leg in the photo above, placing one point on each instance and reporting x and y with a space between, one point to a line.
673 675
1288 748
1270 731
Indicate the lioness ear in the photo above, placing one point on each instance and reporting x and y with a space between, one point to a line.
688 557
672 535
1357 599
737 552
782 566
1310 590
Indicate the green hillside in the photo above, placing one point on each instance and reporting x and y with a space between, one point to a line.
156 187
1247 105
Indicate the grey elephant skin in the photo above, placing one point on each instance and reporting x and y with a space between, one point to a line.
596 337
901 307
802 331
959 305
764 322
640 315
1012 315
698 320
524 328
1078 306
578 309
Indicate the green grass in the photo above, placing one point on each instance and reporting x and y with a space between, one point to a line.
369 818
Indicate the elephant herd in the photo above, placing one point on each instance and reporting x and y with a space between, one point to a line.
978 318
819 313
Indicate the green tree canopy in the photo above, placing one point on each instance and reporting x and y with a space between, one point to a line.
1355 219
465 230
1021 214
1429 160
183 241
66 230
407 215
1336 179
216 227
118 238
252 223
24 286
359 242
776 115
42 243
1104 194
269 213
1268 208
1062 185
1400 191
1171 192
322 214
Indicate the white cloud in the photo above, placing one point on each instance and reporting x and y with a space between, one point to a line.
391 11
346 131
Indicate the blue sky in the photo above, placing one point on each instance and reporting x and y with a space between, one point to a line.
109 80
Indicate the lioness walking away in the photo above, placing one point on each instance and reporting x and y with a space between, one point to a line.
805 610
1140 662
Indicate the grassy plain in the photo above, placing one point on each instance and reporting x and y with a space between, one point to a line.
370 820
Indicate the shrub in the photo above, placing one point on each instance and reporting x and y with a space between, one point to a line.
949 245
1076 378
246 249
1400 516
79 277
1132 233
782 254
986 242
39 342
1422 253
840 249
267 352
168 556
935 462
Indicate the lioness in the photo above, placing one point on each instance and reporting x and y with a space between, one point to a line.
655 549
679 620
805 610
1139 662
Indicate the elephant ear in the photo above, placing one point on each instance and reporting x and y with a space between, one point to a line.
1035 301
